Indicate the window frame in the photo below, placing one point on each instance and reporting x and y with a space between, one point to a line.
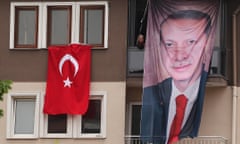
44 128
74 121
94 95
11 99
17 10
45 5
75 22
106 21
130 114
82 23
13 34
49 27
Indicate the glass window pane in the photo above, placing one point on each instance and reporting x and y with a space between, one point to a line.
57 123
91 121
216 63
24 116
93 26
137 8
26 27
136 16
59 25
92 30
136 117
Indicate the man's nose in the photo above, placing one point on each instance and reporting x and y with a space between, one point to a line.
181 53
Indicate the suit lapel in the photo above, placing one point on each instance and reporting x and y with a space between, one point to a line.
191 126
165 91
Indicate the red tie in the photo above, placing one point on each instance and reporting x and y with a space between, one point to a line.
181 102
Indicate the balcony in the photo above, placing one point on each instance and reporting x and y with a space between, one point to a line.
198 140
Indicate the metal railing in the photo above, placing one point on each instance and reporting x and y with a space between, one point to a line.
197 140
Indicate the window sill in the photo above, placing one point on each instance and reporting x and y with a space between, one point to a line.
214 80
23 136
91 136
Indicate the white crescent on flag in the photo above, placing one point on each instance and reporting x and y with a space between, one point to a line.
72 60
67 82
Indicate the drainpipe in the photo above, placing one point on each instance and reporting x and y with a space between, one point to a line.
235 88
234 115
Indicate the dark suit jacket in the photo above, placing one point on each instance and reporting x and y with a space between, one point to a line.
155 107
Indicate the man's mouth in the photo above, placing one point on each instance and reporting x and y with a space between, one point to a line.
181 66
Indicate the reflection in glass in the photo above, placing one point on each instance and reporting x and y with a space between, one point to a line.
91 121
24 116
26 27
59 25
57 123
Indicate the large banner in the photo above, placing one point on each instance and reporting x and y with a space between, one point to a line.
179 43
68 79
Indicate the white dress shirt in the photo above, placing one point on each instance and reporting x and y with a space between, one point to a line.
191 93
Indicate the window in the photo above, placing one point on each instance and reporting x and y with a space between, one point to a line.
136 55
91 125
137 8
91 121
57 126
134 118
218 57
57 123
92 25
59 25
23 115
24 25
39 25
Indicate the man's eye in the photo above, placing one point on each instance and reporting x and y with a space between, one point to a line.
169 45
190 42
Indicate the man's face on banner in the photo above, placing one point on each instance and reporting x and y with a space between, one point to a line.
184 41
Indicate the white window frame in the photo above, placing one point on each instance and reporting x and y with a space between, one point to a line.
94 95
78 6
12 22
42 21
44 125
44 129
74 121
45 15
131 104
11 115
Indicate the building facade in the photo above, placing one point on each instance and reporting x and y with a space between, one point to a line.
27 28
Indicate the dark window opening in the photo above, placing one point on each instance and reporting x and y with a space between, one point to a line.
57 123
91 121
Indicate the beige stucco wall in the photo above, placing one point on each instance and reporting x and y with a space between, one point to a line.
217 111
115 115
236 124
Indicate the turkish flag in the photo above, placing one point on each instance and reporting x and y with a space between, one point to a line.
68 79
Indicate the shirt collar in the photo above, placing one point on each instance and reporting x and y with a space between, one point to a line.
190 92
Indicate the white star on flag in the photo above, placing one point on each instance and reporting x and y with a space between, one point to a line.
67 82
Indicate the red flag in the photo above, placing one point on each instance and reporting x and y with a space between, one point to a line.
67 89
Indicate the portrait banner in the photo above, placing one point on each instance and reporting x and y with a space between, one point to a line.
68 79
180 39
